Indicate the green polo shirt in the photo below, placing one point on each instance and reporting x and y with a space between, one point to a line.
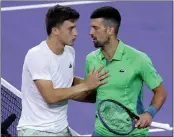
128 69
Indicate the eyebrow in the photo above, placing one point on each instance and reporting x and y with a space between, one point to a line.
94 26
72 26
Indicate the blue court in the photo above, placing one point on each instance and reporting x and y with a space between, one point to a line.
147 26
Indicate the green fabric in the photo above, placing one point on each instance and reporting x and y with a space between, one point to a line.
128 69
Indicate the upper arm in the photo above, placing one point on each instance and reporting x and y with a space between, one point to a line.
45 88
39 70
38 66
160 89
149 74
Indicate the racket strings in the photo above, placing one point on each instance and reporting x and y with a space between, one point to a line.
116 117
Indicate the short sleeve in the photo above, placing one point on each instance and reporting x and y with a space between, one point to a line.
148 73
37 66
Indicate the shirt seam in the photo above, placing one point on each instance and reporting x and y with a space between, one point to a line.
126 90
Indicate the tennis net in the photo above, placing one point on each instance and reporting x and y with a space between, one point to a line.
11 104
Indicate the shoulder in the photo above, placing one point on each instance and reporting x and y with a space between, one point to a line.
70 49
37 53
92 55
135 53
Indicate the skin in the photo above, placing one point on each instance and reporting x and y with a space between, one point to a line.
60 36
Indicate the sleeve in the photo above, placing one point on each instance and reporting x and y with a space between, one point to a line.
38 67
149 74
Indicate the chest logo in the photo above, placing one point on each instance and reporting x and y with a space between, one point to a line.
122 70
70 66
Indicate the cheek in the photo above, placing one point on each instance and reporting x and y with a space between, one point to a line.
101 37
64 35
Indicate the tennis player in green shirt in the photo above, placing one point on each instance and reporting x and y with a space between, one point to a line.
128 69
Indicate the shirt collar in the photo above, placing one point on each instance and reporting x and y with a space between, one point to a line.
118 53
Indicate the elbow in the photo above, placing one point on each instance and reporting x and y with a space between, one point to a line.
52 100
160 92
165 95
162 95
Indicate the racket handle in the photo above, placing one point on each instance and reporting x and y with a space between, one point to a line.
160 125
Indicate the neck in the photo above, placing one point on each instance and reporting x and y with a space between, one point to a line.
55 45
109 49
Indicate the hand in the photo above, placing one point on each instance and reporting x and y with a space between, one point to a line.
144 121
94 79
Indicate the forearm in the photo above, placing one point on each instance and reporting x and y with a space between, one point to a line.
61 94
158 100
159 97
52 95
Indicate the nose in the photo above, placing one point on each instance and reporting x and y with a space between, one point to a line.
75 33
91 32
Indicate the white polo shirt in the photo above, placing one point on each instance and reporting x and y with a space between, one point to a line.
41 63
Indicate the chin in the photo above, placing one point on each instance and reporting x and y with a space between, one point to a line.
70 44
98 45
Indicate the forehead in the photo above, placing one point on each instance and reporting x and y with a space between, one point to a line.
97 22
69 23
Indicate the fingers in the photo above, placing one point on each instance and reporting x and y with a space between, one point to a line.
104 76
96 78
137 125
102 82
103 73
100 68
143 122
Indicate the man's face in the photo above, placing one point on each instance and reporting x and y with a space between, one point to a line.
67 32
99 33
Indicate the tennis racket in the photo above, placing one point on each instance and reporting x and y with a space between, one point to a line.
118 119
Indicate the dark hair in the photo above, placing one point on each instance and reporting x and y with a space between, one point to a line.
108 13
57 14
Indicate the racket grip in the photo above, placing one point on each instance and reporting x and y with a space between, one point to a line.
160 125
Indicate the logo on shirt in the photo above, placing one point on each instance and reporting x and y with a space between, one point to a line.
70 66
122 70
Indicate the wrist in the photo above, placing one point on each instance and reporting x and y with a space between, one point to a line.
84 87
151 110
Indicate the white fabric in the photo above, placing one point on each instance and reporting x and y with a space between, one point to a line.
41 63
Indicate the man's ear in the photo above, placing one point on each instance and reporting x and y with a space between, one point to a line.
55 31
